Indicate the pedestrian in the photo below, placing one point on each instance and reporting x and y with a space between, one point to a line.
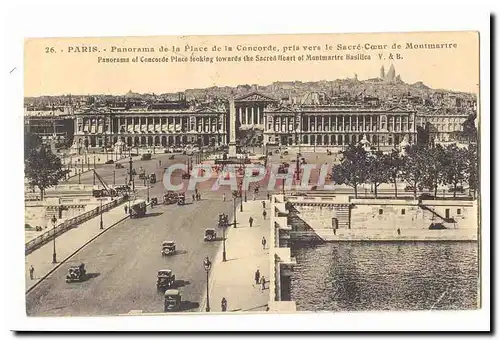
264 241
224 197
250 221
199 196
126 209
268 196
334 231
399 232
159 163
264 214
257 277
223 304
263 204
194 198
32 272
263 282
253 197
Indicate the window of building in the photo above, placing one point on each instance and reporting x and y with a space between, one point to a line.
459 211
403 211
380 211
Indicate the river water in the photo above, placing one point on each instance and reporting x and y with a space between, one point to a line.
360 276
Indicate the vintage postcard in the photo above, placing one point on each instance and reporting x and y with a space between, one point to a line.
252 174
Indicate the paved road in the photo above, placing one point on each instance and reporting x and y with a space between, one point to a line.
123 263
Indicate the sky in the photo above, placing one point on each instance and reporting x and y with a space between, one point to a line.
71 65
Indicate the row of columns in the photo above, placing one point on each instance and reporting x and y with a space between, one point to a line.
149 124
339 139
251 115
154 140
344 123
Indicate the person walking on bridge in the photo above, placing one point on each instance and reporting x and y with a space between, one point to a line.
32 272
264 242
126 209
264 214
257 277
250 221
223 304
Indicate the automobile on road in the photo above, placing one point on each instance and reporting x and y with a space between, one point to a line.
76 273
167 248
210 235
165 279
138 208
172 300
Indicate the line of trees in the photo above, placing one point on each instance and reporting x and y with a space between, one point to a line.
42 168
421 167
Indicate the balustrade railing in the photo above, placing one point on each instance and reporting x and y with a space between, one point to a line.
69 224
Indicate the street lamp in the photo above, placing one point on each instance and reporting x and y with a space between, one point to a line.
54 257
207 265
223 223
235 194
100 211
130 168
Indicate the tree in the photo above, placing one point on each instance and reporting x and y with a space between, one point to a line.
31 142
455 166
393 164
43 169
413 170
353 168
472 169
423 134
434 168
378 172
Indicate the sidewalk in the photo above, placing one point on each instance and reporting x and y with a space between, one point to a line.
68 243
234 279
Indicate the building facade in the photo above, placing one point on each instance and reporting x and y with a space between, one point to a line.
330 125
151 127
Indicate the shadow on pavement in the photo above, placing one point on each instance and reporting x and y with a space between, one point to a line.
180 283
188 305
91 275
154 214
180 252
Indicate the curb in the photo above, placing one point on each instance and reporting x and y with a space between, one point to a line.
72 254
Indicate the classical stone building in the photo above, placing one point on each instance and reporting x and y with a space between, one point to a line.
167 124
250 117
337 126
443 123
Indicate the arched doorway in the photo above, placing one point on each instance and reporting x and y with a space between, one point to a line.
143 141
136 141
150 141
129 141
164 141
157 140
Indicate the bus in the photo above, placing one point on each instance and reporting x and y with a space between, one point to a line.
138 208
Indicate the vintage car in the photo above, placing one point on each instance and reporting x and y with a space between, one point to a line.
152 178
76 273
119 166
109 162
171 157
170 197
181 199
210 235
154 201
146 157
138 208
167 248
172 300
165 279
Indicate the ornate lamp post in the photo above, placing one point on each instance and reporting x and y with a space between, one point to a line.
100 211
54 257
224 224
207 265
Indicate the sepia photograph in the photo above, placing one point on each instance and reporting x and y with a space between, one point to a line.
321 173
208 168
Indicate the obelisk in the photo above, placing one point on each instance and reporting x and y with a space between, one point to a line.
232 128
